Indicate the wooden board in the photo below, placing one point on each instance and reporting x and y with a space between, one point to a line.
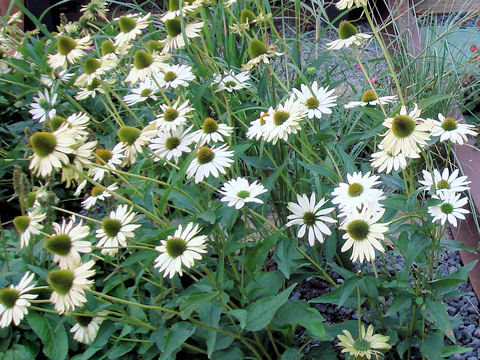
446 6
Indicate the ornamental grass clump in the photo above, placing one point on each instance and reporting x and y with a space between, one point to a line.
181 178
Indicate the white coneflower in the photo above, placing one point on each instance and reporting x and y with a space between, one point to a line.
69 51
145 90
173 12
211 131
171 144
257 127
347 4
110 51
318 100
231 81
364 232
173 116
173 76
283 121
358 192
450 209
183 248
370 99
210 160
77 160
384 160
444 182
14 301
108 159
145 65
43 107
50 150
86 328
237 192
259 52
450 129
93 70
365 346
407 133
29 225
310 215
60 76
67 243
134 139
116 229
92 90
131 26
69 286
95 9
348 36
97 194
175 38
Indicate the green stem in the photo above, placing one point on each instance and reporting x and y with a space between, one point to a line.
323 273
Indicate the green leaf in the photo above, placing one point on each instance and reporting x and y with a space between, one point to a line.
176 336
399 302
454 245
210 315
230 354
261 312
436 312
106 330
417 243
264 284
121 349
52 333
285 255
192 302
454 349
432 100
297 313
241 316
291 354
432 345
257 255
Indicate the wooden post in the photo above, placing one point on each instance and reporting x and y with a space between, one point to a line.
4 5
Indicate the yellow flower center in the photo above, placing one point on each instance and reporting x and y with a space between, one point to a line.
443 184
312 103
61 281
257 48
170 114
111 227
142 60
209 126
173 27
358 230
56 122
126 24
103 156
169 76
21 223
172 143
175 247
59 244
242 194
83 320
91 65
403 126
446 208
280 116
205 155
368 96
128 134
96 191
309 218
449 124
355 189
8 297
65 44
346 30
43 143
